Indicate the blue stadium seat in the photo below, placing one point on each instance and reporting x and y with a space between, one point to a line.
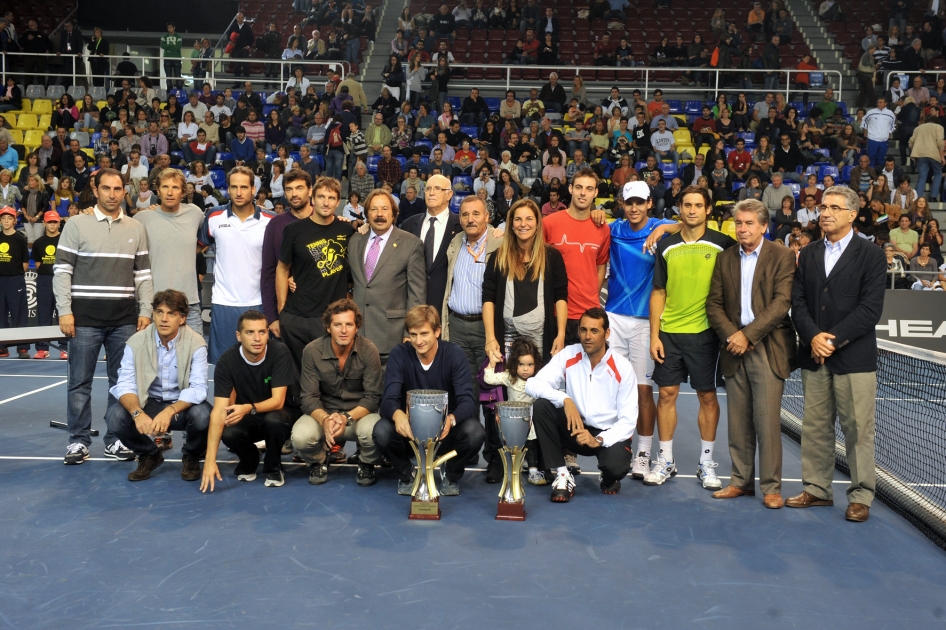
493 103
456 200
846 174
676 106
694 108
669 169
748 136
271 157
373 163
267 109
402 160
737 185
456 102
811 170
295 156
219 178
318 157
224 155
470 130
796 189
297 141
425 143
464 179
639 165
828 169
823 152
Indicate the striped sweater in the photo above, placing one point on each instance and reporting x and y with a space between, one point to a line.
102 273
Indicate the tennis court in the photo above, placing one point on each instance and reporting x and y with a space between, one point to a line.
84 547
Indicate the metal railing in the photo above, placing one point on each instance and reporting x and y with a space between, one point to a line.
643 77
81 69
893 274
906 78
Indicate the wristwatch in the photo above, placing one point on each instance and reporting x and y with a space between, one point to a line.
350 420
252 409
136 413
599 440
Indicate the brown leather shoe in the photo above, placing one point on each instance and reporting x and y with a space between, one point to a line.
805 500
731 492
146 465
191 468
773 501
857 512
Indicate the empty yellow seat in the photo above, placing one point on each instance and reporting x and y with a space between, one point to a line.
26 105
42 106
11 119
45 121
17 136
33 138
27 121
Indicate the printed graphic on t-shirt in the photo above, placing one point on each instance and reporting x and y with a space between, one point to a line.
49 255
329 255
5 256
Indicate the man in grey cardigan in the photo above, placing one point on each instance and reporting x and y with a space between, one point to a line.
102 283
162 386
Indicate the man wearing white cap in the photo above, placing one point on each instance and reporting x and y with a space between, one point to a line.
628 307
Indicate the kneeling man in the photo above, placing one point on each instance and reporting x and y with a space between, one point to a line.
162 386
595 415
341 380
426 362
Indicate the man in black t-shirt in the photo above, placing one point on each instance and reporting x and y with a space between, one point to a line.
256 397
44 255
14 260
314 252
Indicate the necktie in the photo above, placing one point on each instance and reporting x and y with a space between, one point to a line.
372 259
429 243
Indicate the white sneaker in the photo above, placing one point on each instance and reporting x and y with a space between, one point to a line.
247 477
707 474
563 488
641 465
660 471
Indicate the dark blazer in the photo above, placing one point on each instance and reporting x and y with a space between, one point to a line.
771 301
437 270
555 280
689 172
848 304
540 29
397 285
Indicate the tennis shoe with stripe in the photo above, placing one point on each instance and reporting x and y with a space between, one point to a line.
641 465
563 488
707 474
660 471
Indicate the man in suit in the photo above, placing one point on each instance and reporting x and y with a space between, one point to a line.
241 44
695 170
70 50
435 228
462 305
548 24
837 300
748 303
387 270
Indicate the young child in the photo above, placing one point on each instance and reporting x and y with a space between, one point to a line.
522 363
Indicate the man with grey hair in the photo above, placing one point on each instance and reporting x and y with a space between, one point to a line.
748 303
837 300
553 95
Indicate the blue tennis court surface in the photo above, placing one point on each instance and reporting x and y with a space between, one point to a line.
82 547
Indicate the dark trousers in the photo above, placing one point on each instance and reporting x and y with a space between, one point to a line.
194 421
45 305
13 304
466 438
241 438
551 428
297 332
471 336
34 67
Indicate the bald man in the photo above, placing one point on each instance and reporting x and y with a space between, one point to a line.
436 228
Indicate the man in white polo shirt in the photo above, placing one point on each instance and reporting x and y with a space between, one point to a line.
880 123
236 230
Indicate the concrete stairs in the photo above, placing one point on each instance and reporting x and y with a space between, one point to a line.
824 48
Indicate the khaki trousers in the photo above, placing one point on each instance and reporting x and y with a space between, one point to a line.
308 438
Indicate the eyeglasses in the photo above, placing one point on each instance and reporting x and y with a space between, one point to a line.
437 189
833 209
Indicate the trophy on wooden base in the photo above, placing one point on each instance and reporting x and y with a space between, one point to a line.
515 420
427 414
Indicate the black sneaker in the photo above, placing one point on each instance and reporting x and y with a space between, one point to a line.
608 485
117 450
356 458
385 462
366 475
494 471
76 454
318 474
274 479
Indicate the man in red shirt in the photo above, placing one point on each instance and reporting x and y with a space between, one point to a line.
739 160
704 129
530 48
604 52
655 107
585 247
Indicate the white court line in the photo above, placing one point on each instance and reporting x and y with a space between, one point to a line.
35 391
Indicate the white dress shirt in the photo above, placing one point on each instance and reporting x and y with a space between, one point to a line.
747 264
440 228
833 251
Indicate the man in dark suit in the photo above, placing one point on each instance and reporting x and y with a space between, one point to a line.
837 300
446 225
70 50
548 24
693 171
241 46
748 304
387 270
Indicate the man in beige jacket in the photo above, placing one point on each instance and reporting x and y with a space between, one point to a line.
926 151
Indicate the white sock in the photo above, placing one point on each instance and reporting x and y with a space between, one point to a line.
666 450
706 450
533 469
562 470
644 444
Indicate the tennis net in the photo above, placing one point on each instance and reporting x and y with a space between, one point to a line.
910 442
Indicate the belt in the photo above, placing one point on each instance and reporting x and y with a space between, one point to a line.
467 318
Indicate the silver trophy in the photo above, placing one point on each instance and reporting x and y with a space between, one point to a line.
427 414
515 420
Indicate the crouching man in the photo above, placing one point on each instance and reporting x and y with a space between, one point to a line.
162 386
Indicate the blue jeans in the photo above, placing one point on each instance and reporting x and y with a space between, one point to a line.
334 159
172 70
877 151
351 50
574 145
83 353
223 325
194 421
924 168
194 319
208 157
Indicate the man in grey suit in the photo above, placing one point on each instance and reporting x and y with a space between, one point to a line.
748 303
388 273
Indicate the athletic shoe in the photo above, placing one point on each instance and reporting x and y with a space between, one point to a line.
246 476
404 487
191 469
494 470
146 465
41 354
318 474
356 458
608 485
365 475
448 488
563 488
274 479
641 465
63 355
537 478
261 445
23 354
660 471
707 474
117 450
385 462
165 441
571 462
287 447
337 456
4 353
76 454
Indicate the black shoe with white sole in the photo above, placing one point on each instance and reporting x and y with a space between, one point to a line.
274 479
117 450
76 454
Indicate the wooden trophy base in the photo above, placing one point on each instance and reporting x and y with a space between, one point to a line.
425 510
511 511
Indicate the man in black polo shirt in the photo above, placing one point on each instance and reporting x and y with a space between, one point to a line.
14 260
44 255
256 397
